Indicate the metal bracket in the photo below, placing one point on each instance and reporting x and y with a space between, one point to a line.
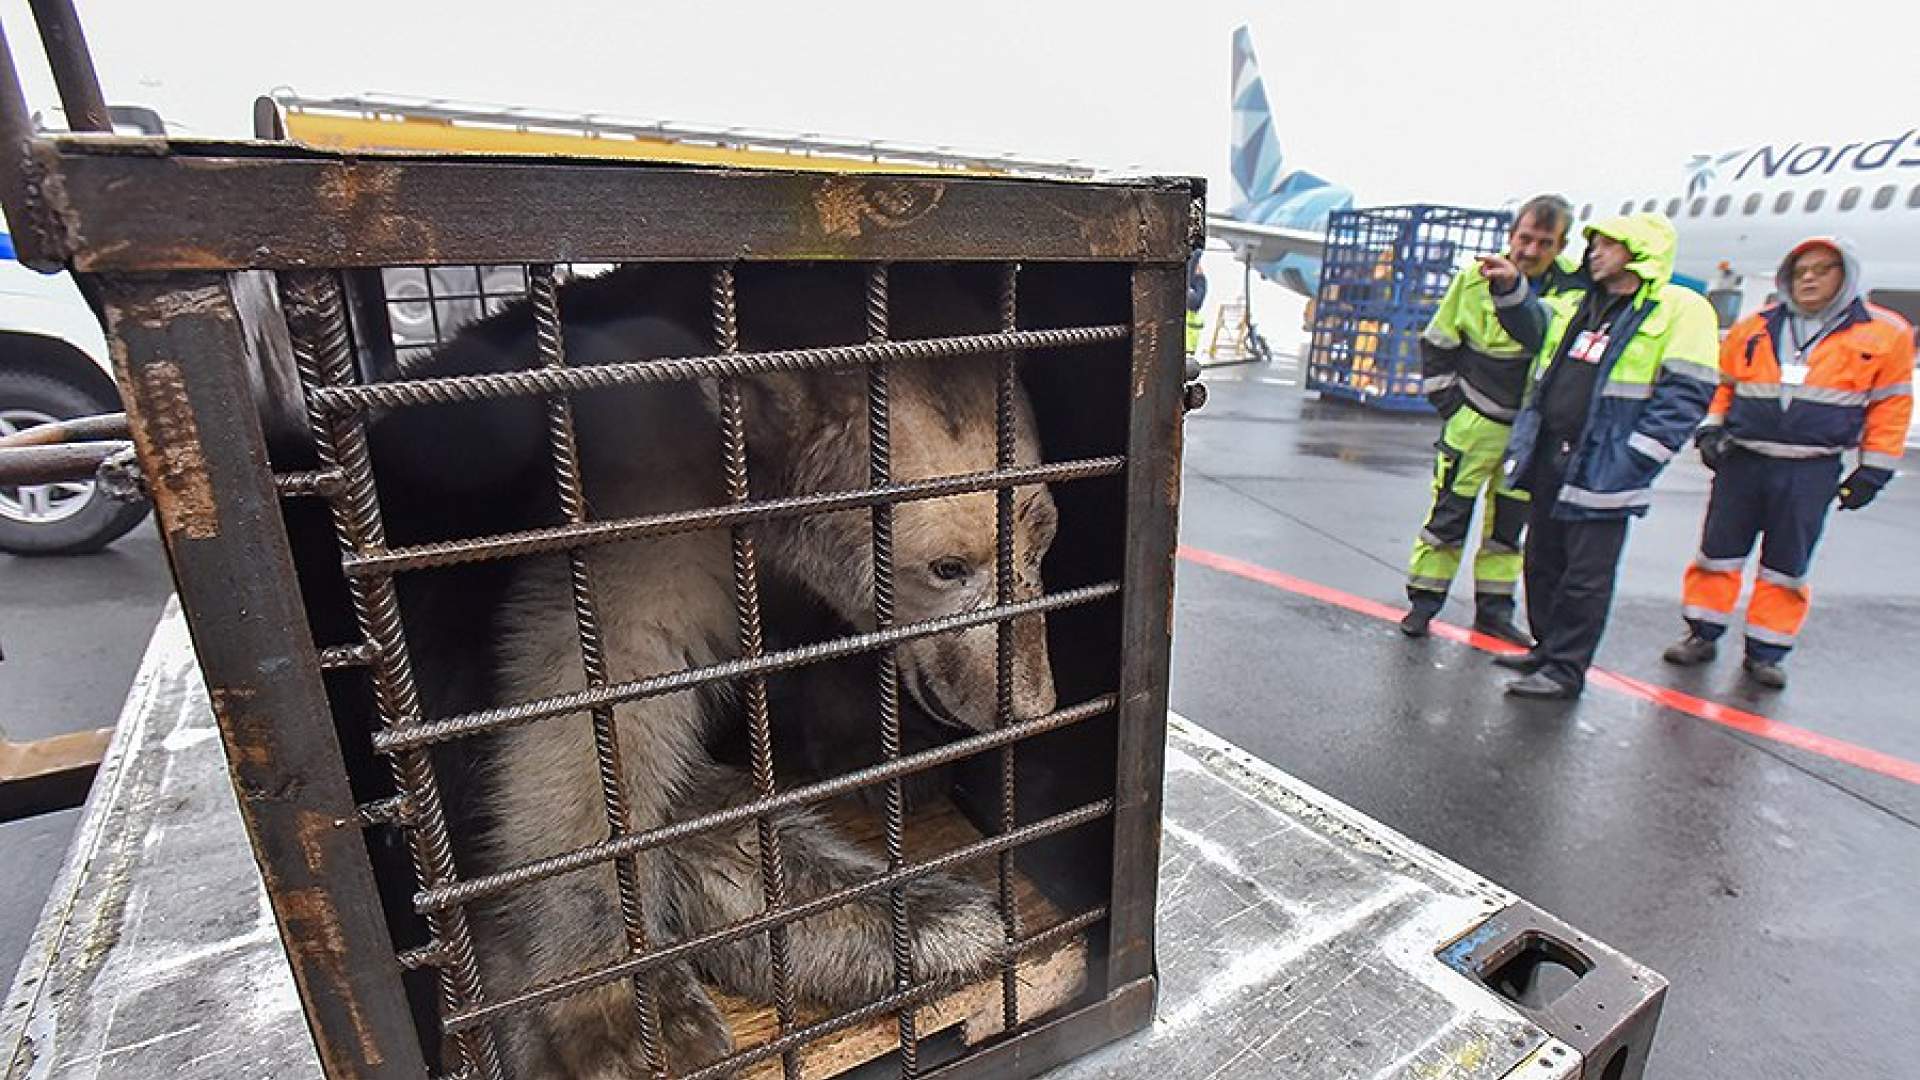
119 476
1596 1000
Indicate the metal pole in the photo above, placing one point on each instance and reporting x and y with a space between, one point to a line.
1246 290
72 65
1153 498
16 127
78 429
70 464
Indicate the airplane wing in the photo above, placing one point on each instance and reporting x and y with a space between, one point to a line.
1264 243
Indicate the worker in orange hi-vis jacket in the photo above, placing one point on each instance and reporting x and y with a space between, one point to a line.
1802 383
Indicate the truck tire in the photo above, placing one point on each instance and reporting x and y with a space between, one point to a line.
57 519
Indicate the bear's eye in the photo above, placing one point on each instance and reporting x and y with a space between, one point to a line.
950 568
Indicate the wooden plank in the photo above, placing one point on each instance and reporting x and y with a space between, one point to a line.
49 774
55 753
1049 978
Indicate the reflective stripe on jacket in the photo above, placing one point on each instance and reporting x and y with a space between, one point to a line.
1467 357
1858 390
1655 379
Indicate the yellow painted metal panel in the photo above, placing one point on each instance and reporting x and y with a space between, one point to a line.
335 132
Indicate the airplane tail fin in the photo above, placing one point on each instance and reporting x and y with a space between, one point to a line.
1255 151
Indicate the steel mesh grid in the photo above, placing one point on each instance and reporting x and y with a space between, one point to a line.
316 323
371 567
426 305
1004 379
880 475
746 602
606 739
464 1020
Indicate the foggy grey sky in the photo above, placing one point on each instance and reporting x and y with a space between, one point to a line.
1459 102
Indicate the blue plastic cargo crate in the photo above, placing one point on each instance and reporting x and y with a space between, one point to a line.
1385 270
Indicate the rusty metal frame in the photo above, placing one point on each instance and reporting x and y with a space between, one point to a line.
150 204
154 229
179 362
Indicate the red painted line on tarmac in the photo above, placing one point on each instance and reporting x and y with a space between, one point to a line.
1846 753
1860 757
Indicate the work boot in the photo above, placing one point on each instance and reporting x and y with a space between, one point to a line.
1766 673
1690 650
1542 686
1425 607
1493 616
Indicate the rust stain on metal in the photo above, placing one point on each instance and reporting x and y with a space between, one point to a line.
1115 235
1114 232
180 303
1175 444
249 743
352 183
1173 504
838 207
311 922
848 206
169 443
225 696
47 223
1146 353
368 194
315 831
176 256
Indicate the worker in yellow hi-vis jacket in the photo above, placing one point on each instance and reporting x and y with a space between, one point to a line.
1475 375
1196 300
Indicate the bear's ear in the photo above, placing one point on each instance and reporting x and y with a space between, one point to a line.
799 306
788 410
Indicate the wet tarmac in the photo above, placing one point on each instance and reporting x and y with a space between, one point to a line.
1778 888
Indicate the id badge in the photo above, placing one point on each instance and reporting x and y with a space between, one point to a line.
1588 347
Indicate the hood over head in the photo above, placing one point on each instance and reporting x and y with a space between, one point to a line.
1651 240
1851 288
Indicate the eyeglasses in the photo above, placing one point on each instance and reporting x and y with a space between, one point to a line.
1815 269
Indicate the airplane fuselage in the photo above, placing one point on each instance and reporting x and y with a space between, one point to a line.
1744 209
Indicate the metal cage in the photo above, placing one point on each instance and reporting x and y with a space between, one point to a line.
249 290
1385 272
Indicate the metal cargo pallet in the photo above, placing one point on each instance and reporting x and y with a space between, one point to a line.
1297 937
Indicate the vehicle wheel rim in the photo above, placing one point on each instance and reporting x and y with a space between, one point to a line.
39 504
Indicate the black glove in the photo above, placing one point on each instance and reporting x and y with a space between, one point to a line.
1447 401
1860 486
1713 444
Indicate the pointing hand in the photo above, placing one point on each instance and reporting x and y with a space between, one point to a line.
1500 272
